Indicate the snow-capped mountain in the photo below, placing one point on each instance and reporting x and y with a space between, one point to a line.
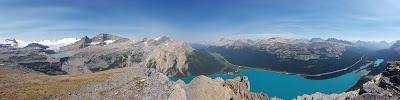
56 44
5 42
53 44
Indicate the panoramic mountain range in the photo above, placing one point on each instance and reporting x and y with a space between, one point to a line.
108 66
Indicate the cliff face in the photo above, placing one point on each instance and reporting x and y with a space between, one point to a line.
168 56
385 86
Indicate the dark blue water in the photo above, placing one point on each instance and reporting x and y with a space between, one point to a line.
290 86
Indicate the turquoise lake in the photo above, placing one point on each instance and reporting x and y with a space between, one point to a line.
59 55
287 86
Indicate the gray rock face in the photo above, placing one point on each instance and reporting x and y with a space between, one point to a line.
204 88
166 55
385 87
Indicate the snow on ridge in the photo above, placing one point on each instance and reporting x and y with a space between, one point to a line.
158 38
8 41
53 44
56 44
109 41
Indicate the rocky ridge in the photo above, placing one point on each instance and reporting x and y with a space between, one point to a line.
99 40
171 57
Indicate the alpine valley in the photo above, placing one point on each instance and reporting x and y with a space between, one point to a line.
112 67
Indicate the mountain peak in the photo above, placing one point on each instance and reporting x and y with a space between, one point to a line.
162 38
396 45
104 37
36 45
9 42
99 40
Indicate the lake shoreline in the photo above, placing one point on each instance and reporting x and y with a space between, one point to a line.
286 86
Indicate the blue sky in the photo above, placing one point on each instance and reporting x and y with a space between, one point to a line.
200 19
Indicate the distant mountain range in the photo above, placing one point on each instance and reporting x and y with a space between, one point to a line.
171 57
98 40
314 58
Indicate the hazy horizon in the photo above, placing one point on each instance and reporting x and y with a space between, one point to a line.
232 37
365 20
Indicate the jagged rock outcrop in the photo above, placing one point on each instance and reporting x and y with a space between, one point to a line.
204 88
385 86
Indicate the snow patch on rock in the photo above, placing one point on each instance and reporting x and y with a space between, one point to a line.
109 41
